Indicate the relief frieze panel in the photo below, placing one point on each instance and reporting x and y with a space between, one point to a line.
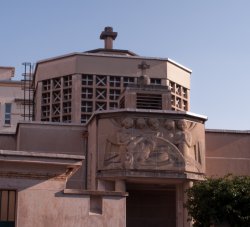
153 144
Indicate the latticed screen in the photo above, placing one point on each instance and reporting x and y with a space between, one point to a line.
179 97
7 208
56 99
101 92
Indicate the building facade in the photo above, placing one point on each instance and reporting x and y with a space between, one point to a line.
113 143
11 100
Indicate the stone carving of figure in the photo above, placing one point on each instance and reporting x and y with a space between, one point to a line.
144 144
140 123
116 145
154 125
139 147
183 138
170 130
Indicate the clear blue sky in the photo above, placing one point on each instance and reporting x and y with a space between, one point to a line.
211 37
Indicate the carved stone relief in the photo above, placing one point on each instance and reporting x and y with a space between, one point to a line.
151 143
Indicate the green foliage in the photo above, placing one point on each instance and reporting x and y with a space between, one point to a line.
221 200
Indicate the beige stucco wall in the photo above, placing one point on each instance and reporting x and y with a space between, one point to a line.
52 208
47 137
43 203
109 65
10 92
178 75
54 138
7 142
6 72
227 152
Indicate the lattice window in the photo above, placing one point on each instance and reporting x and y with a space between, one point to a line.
87 106
155 81
87 93
61 93
172 100
67 107
179 96
67 93
128 80
101 93
101 106
115 81
101 81
46 98
55 119
178 102
67 81
114 94
56 96
185 105
87 80
178 89
45 111
85 118
113 105
184 92
7 208
67 119
57 83
172 86
122 103
56 109
46 85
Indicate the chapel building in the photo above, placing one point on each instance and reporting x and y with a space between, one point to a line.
112 143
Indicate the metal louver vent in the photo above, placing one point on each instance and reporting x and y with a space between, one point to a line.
149 101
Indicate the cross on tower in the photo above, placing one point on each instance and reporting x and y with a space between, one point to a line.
143 67
143 79
108 36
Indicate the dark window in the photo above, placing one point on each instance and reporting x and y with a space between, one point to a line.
7 117
155 81
128 80
7 208
95 206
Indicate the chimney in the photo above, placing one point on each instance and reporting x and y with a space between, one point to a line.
108 35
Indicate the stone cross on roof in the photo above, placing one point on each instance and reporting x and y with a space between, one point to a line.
108 35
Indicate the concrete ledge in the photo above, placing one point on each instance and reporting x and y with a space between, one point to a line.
87 192
24 164
41 158
40 154
227 131
161 175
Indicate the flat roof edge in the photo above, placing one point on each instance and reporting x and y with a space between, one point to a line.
228 131
132 110
114 56
41 154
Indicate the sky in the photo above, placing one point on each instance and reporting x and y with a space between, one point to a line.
211 37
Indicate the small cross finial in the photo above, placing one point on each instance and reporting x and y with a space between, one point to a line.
108 36
143 66
143 79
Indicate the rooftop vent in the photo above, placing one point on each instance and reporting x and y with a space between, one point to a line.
149 101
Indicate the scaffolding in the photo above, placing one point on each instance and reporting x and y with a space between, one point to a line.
28 92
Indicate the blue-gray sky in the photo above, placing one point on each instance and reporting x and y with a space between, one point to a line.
211 37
